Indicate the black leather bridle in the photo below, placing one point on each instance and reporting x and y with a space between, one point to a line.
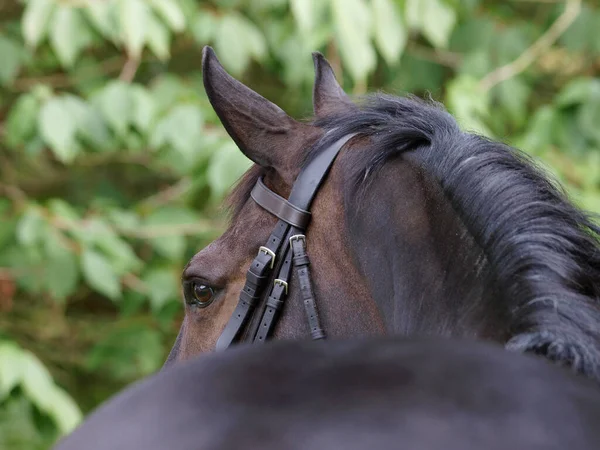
286 247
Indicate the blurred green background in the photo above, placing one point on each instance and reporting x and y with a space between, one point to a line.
113 165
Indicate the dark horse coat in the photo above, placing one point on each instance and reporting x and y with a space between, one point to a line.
373 394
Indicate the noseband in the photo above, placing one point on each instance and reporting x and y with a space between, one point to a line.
286 247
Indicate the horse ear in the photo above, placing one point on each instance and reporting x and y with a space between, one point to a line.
328 95
261 129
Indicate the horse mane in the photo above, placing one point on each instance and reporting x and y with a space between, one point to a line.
544 251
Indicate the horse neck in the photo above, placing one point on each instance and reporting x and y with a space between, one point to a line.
424 269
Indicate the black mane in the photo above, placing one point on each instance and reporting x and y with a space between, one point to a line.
544 251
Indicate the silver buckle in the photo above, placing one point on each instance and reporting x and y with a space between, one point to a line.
277 281
297 237
269 252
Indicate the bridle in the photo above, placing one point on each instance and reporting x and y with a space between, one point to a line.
257 313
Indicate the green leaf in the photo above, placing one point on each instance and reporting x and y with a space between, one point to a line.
438 22
21 123
30 227
204 27
304 12
181 129
227 165
69 34
35 20
10 367
170 12
62 271
588 118
390 33
237 40
352 19
163 223
11 60
134 16
579 90
38 385
158 38
162 285
468 103
116 105
100 275
104 17
57 128
144 108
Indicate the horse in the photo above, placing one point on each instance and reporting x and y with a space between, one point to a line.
416 229
382 392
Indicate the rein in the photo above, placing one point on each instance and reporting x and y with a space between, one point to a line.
285 247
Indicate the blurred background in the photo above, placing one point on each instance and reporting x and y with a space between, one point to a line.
113 166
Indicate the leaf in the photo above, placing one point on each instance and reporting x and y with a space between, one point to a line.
30 227
21 123
62 271
204 27
352 21
468 103
579 90
181 129
104 17
134 16
69 34
144 108
170 12
158 38
35 20
227 165
99 274
38 385
116 105
390 33
57 127
437 22
588 118
164 223
237 40
10 367
162 285
304 12
11 60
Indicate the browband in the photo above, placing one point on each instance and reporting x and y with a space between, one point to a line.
279 206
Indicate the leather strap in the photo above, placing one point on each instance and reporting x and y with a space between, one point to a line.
255 280
292 212
301 262
312 175
279 206
276 299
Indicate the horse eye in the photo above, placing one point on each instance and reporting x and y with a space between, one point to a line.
203 295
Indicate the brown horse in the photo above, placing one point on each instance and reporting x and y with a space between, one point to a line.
418 229
383 393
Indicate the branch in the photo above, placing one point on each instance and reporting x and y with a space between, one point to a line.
564 21
129 69
441 57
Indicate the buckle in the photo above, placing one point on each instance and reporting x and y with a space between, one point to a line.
277 281
297 237
268 251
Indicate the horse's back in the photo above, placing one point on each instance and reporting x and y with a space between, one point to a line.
385 393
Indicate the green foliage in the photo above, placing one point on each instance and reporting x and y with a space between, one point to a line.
113 164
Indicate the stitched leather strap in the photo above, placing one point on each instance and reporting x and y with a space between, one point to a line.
276 299
279 206
255 280
301 262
